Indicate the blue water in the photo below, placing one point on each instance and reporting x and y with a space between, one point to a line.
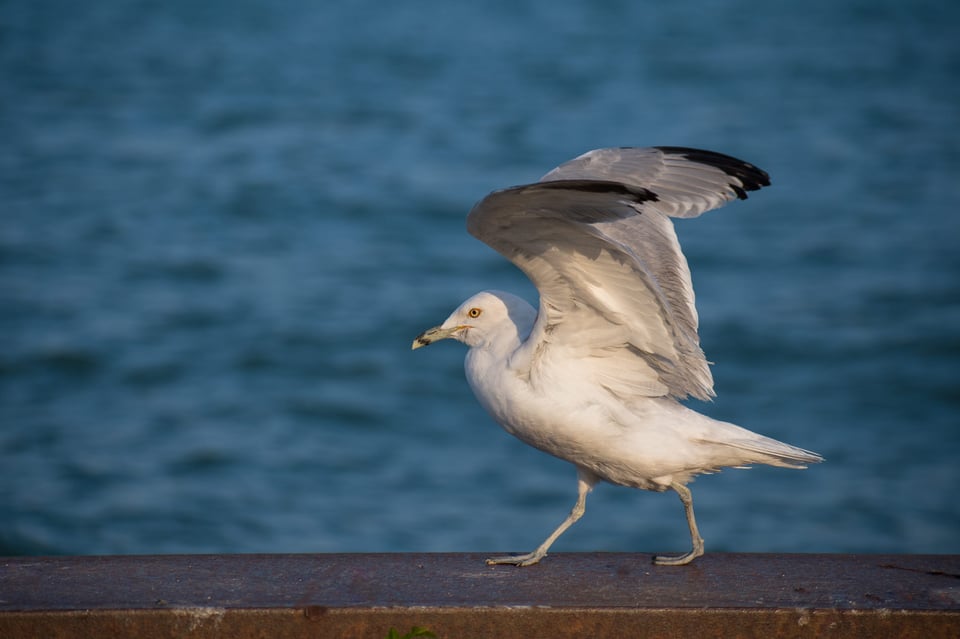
222 223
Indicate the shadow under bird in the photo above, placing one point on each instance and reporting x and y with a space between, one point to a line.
596 375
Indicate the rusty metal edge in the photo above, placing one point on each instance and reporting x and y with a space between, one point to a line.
504 622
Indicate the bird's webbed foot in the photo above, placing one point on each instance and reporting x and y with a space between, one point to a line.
518 560
678 560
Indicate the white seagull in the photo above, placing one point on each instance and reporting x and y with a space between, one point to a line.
595 376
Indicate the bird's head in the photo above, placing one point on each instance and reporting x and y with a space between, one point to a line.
490 317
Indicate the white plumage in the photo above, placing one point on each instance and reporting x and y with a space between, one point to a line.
594 376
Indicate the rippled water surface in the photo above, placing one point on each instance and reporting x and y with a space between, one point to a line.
221 225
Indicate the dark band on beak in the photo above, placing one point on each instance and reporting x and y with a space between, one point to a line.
422 340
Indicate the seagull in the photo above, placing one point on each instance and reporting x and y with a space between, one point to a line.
596 375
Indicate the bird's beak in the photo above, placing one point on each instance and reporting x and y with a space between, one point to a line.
434 334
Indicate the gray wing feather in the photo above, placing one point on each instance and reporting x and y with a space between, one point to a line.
688 181
615 289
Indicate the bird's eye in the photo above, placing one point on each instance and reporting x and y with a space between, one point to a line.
474 312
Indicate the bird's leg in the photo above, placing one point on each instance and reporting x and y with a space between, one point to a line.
585 483
687 500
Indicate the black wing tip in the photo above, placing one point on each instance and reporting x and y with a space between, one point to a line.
751 177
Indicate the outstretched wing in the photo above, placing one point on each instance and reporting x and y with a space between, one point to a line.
596 239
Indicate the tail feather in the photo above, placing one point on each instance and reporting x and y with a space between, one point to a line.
776 453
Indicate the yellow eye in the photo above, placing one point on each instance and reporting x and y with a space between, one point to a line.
474 312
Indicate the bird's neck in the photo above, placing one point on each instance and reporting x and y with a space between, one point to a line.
500 346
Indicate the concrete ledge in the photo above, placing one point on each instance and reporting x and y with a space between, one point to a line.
457 595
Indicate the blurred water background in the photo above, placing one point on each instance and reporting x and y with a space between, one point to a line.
222 224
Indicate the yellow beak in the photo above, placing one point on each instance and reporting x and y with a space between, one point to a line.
434 334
